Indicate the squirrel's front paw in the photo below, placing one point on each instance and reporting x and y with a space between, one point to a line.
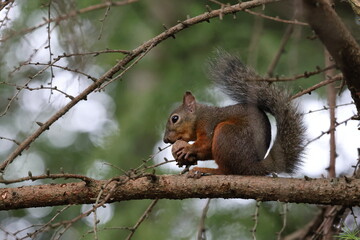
182 153
196 173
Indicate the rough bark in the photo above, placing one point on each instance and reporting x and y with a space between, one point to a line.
339 191
338 41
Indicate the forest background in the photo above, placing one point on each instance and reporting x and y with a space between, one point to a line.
45 64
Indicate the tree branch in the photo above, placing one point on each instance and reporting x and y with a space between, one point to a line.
121 65
339 42
62 17
336 191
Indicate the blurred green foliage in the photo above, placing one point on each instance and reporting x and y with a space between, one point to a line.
145 94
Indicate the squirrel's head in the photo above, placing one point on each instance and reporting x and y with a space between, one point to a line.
181 123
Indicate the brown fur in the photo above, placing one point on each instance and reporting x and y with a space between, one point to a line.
237 137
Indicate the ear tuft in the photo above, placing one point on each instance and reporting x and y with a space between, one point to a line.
189 101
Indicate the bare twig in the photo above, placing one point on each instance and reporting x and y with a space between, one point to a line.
11 100
151 157
7 232
330 129
26 62
202 230
102 20
47 225
41 87
296 77
316 86
281 50
331 96
159 164
284 217
142 218
122 65
257 28
95 53
49 47
256 219
126 69
9 139
67 16
47 65
48 176
327 108
6 17
292 22
95 226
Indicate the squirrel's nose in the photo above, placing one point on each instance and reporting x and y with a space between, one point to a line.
166 140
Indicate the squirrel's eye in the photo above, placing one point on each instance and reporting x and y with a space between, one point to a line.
174 118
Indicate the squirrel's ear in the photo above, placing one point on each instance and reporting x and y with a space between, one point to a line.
189 101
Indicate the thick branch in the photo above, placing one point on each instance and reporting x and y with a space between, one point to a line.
338 41
342 191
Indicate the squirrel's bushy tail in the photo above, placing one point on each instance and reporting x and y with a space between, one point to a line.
242 85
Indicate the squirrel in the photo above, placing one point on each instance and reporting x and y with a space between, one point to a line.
237 137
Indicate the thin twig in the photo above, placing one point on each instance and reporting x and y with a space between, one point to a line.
65 17
18 87
48 176
327 108
256 219
281 50
9 139
49 48
102 20
277 19
125 61
316 86
61 67
11 100
43 228
284 217
151 157
95 53
126 69
295 77
202 230
159 164
331 96
95 226
6 17
67 224
330 129
257 28
26 62
142 218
